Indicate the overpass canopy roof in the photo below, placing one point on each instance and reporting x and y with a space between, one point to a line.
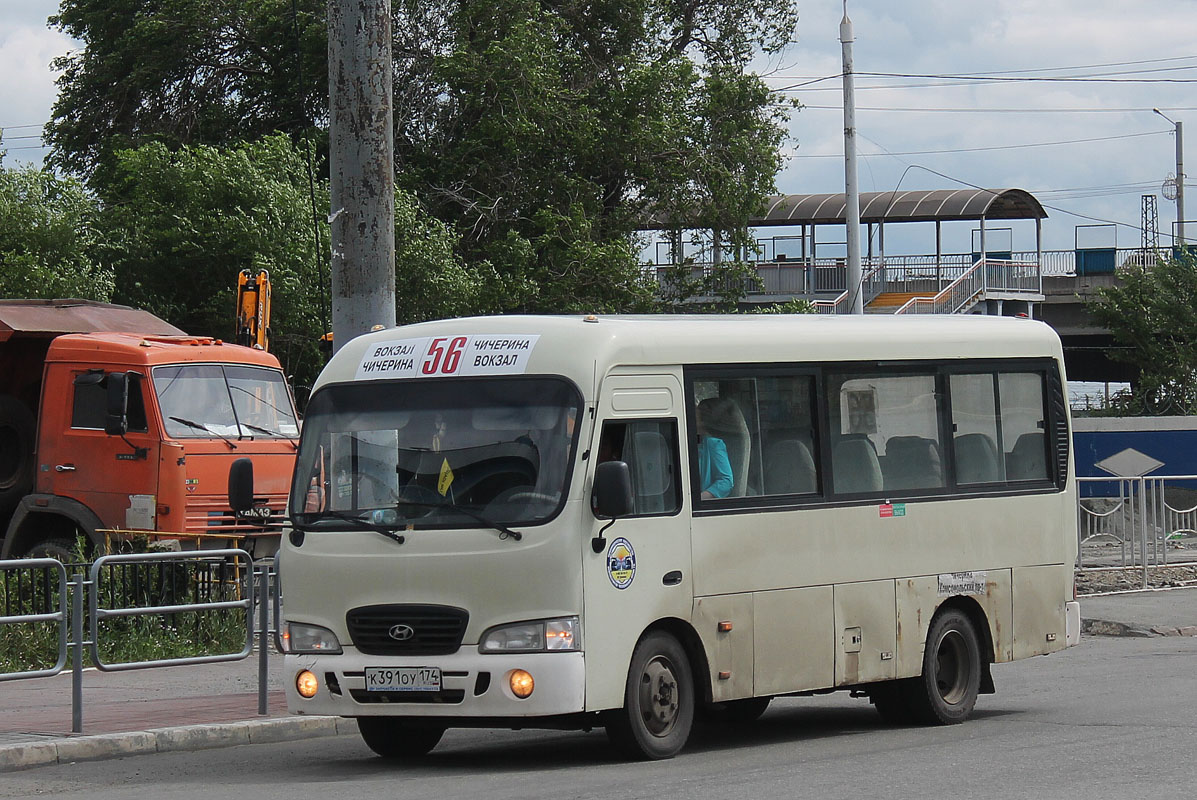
922 205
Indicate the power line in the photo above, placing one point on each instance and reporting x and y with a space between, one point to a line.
961 80
999 147
1054 69
945 176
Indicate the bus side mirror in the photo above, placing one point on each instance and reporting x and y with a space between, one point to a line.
612 496
241 485
116 420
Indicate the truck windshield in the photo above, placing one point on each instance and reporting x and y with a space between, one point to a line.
436 454
206 400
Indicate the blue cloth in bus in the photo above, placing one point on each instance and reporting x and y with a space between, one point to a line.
714 467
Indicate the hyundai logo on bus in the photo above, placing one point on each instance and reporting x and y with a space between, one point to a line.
401 633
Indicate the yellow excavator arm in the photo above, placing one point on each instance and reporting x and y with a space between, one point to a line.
253 309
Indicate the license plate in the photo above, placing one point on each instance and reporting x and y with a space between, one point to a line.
403 679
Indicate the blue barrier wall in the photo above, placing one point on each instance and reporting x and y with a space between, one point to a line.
1172 440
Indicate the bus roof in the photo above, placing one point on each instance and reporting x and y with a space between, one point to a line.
583 346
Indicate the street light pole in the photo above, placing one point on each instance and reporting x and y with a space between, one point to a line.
851 187
1180 178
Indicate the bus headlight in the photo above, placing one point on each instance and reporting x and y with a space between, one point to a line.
311 639
563 634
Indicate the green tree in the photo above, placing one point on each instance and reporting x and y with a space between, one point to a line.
185 72
542 132
547 132
1152 315
180 226
48 237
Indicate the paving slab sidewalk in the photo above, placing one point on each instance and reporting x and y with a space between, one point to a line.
146 711
216 705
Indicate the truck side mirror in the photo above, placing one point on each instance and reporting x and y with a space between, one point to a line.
241 485
116 422
612 496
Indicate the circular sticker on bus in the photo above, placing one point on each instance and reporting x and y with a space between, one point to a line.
621 563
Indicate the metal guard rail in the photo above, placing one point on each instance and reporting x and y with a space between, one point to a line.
59 616
97 613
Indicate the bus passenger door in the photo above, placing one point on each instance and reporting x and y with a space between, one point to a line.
641 572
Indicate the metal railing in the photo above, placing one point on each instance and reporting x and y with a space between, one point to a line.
39 585
987 275
1136 522
142 586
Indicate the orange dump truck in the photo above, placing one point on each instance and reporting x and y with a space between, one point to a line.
115 424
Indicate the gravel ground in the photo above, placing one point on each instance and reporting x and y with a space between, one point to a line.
1120 579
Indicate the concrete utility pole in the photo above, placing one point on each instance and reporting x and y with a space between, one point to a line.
362 166
1180 178
852 190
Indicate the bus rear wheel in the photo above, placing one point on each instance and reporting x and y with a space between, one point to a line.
658 710
947 691
398 740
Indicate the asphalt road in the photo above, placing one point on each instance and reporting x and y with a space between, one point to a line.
1112 718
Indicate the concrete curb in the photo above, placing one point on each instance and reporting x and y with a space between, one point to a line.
1102 627
68 750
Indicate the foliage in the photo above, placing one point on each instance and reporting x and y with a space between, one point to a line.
48 237
184 72
794 305
546 133
542 133
1152 316
180 226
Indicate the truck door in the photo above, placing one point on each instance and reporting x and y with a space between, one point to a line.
115 478
641 572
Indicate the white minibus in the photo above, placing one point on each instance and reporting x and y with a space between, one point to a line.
632 522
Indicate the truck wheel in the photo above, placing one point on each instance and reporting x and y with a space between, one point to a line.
947 690
398 740
658 710
59 547
17 429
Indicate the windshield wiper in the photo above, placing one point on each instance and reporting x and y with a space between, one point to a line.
197 426
344 516
268 432
504 531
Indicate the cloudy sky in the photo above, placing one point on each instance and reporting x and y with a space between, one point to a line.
1144 51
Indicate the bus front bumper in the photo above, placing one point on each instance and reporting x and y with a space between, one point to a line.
472 686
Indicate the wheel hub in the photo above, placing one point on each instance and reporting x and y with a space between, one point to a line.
659 697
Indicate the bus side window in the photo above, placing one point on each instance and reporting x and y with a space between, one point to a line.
649 447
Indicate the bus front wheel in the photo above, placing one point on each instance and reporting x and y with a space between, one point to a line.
398 740
947 690
658 710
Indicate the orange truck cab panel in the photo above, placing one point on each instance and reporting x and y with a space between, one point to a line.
195 405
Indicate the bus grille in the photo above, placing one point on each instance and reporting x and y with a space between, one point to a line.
434 630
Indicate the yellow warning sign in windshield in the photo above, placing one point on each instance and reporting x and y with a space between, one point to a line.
446 479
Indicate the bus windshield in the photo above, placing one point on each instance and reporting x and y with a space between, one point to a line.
436 454
206 400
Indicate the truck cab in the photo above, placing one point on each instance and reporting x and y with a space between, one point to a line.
135 435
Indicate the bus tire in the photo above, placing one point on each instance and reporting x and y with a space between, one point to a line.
947 691
17 430
658 710
398 740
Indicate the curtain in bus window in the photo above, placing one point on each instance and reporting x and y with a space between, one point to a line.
977 437
884 433
1023 425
